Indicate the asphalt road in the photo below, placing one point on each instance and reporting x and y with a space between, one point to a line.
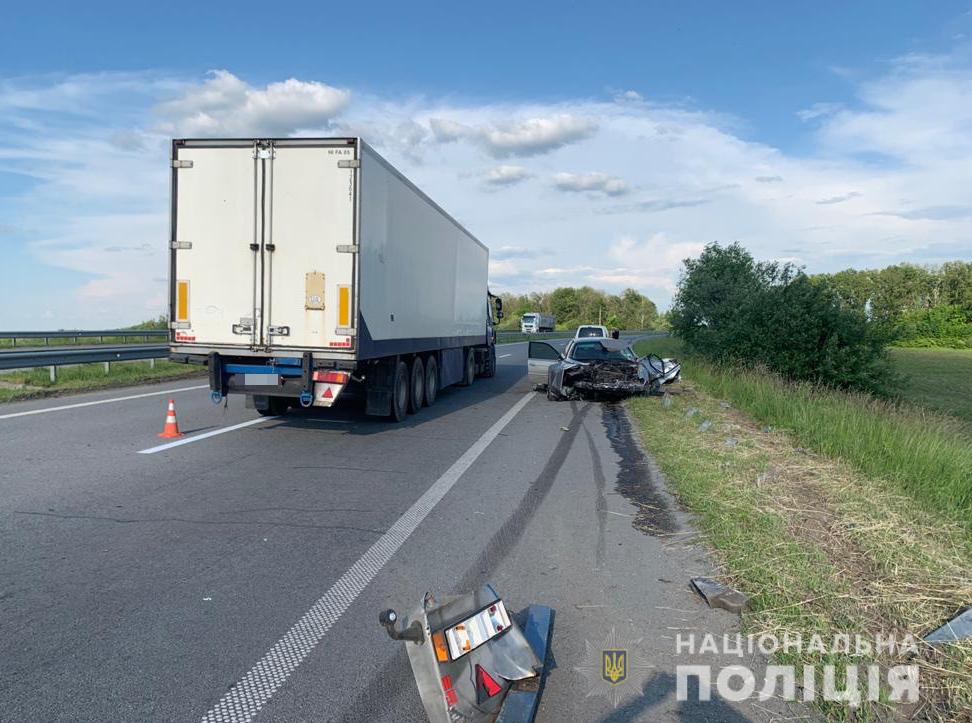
138 587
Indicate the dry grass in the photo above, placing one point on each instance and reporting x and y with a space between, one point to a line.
820 547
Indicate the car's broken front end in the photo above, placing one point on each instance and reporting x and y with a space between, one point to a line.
610 379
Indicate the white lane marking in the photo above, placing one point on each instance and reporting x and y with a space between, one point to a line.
102 401
503 356
204 435
251 693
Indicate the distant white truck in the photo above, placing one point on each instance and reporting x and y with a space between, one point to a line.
534 323
305 269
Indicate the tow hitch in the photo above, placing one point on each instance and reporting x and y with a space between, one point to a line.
473 659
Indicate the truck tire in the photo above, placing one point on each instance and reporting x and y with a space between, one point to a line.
489 370
276 406
469 369
399 400
416 385
431 380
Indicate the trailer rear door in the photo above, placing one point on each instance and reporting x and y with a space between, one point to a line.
309 292
216 220
263 233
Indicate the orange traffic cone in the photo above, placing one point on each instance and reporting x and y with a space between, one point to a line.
171 430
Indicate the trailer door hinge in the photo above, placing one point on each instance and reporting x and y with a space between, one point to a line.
349 163
347 248
345 331
176 163
181 245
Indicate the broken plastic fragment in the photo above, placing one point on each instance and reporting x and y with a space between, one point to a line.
691 412
958 628
725 405
705 425
667 400
718 595
730 442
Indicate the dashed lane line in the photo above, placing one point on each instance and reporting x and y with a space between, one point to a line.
63 407
251 693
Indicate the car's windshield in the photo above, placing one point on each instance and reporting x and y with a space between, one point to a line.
588 331
595 351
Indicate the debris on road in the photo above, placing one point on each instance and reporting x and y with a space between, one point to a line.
956 629
483 663
705 425
730 442
667 400
718 595
691 412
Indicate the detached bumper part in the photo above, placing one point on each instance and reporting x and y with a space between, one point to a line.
474 661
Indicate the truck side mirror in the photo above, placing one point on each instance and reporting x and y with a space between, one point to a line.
499 308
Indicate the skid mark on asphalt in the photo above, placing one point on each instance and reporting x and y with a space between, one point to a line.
637 481
390 689
207 435
251 693
64 407
600 502
190 521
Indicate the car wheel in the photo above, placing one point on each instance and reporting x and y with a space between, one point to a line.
431 380
416 387
399 402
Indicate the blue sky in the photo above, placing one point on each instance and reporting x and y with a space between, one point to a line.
584 143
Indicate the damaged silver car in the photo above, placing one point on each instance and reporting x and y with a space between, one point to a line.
599 369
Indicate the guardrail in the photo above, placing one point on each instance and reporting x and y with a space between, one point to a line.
84 334
53 358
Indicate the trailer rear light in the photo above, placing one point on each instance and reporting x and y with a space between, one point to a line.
331 377
441 650
478 629
450 693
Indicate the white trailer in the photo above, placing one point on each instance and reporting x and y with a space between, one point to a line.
304 269
535 322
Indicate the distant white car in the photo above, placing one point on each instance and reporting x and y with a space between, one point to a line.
592 331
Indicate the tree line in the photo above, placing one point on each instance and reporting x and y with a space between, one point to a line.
832 329
573 306
913 305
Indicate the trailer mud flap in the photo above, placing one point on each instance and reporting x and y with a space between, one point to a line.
380 383
217 380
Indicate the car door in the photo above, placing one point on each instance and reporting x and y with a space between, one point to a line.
540 355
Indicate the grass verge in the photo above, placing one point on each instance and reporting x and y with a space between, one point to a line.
35 383
910 449
938 378
819 546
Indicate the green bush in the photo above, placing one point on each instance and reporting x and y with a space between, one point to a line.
730 308
942 322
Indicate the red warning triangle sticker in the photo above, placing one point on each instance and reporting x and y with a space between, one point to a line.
486 683
328 394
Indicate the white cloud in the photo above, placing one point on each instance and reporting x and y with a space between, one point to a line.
879 180
526 137
506 175
224 105
602 182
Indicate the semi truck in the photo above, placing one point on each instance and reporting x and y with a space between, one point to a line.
535 322
304 270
